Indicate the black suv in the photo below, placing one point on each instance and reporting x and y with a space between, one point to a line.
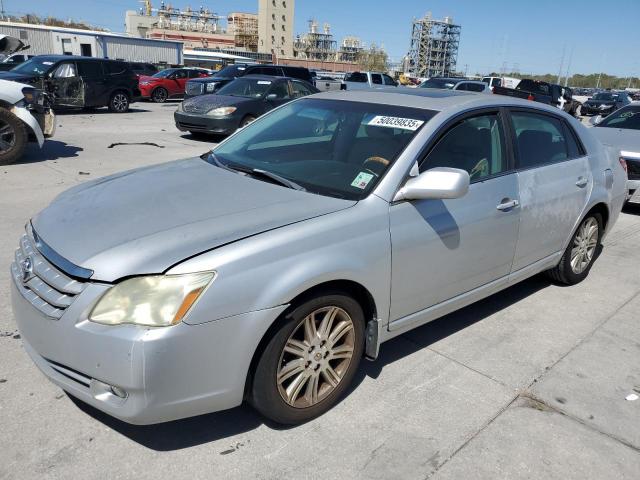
201 86
80 82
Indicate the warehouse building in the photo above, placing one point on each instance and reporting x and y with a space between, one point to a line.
45 40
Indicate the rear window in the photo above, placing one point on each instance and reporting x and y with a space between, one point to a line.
534 87
540 139
356 77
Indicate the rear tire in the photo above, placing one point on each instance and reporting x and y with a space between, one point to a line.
119 102
324 340
13 137
160 95
581 253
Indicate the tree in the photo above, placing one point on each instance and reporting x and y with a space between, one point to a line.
373 59
54 22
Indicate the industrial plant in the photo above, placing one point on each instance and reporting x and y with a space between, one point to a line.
434 47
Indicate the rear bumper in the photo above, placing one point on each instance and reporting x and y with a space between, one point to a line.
202 123
167 373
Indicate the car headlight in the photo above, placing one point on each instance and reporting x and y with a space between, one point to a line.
221 111
154 301
211 86
144 82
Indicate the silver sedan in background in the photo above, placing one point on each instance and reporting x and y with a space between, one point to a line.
266 269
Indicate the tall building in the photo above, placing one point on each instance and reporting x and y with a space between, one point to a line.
434 47
244 28
275 27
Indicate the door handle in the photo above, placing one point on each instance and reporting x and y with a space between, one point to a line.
508 204
582 182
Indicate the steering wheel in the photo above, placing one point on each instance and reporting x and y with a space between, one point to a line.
375 162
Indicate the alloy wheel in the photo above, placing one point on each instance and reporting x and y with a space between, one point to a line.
160 95
7 136
584 245
120 102
316 357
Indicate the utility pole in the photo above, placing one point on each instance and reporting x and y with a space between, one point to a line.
561 63
566 77
1 9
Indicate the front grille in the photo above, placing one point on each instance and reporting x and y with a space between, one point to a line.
633 169
194 88
47 288
193 107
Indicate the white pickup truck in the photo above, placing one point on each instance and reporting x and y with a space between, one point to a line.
25 115
366 80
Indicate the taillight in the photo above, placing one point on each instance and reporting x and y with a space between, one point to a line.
623 164
531 97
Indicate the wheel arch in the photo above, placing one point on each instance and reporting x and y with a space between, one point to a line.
349 287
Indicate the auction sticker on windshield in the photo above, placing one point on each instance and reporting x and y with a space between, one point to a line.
362 180
396 122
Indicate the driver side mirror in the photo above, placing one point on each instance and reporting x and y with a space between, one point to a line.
436 183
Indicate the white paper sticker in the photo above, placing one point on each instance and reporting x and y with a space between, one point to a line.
47 63
396 122
362 180
264 82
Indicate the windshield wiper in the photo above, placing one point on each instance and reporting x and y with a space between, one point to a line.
274 176
254 172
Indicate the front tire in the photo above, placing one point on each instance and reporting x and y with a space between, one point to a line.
119 102
160 95
13 137
310 360
247 120
581 252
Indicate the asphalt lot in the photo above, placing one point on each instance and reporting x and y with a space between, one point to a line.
529 383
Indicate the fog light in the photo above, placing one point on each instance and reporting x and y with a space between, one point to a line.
118 392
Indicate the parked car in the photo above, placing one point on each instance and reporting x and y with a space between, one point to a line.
25 114
141 69
621 130
367 80
79 82
456 84
214 83
14 60
238 103
168 83
266 269
508 82
325 82
543 92
604 103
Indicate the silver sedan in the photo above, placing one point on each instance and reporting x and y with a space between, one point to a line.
268 268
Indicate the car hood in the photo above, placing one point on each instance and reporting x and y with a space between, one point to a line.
204 103
18 77
9 45
145 221
620 138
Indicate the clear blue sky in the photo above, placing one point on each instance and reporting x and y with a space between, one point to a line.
603 36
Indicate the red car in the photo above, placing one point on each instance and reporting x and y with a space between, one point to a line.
168 83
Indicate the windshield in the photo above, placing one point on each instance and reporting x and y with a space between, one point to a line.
627 118
606 96
438 83
245 87
231 71
35 66
329 147
164 73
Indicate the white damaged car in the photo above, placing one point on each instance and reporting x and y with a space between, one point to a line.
25 115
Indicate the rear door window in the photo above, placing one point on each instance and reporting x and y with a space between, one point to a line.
540 139
376 79
89 69
475 87
356 77
114 68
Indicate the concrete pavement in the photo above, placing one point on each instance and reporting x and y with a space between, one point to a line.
529 383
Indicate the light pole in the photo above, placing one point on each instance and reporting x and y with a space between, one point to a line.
1 9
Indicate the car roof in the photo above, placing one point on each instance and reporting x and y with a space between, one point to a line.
57 58
271 78
432 99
